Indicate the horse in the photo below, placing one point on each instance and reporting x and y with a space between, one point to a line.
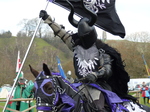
53 93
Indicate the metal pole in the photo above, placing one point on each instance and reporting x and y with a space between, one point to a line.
23 61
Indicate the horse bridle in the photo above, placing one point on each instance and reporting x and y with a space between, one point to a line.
42 104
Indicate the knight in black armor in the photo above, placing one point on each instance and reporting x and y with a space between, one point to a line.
94 61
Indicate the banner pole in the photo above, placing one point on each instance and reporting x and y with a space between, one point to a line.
23 61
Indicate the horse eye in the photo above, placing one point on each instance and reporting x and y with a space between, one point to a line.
48 88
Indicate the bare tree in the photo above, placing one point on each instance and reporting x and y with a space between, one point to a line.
139 37
21 34
29 26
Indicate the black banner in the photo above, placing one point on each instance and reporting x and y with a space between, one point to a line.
107 20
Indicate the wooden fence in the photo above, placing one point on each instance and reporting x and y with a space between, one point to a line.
18 99
137 94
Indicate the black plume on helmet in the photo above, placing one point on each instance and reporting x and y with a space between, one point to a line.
74 22
70 17
86 29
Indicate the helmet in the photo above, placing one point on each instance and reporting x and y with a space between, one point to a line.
86 31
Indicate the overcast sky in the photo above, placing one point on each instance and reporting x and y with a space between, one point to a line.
134 14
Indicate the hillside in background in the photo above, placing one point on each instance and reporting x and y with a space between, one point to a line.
43 52
40 52
131 53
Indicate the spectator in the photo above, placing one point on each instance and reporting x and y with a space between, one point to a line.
145 93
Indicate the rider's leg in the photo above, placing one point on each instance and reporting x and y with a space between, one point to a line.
95 97
101 105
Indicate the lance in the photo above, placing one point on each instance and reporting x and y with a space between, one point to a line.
24 60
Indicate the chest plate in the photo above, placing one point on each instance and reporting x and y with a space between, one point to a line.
86 60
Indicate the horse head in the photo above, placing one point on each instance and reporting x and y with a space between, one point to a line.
44 89
54 93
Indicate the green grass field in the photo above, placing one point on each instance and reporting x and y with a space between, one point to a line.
2 104
140 99
142 102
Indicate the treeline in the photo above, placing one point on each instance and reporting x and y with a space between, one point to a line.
5 34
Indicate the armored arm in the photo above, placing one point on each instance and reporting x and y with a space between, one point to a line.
59 30
104 71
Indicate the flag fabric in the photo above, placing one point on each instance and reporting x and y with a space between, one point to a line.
108 18
60 68
18 65
146 65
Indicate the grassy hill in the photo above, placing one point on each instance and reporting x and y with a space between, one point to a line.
40 52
